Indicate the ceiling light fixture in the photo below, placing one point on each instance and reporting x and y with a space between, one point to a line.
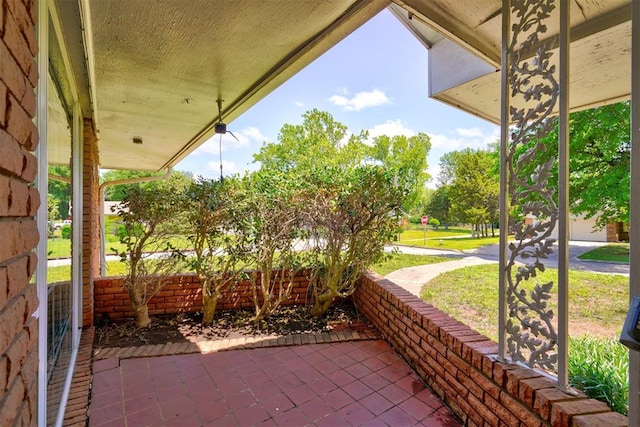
221 128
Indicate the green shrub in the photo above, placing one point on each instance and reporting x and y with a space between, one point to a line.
66 231
415 219
599 367
434 223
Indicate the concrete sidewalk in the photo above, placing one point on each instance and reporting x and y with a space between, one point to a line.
413 278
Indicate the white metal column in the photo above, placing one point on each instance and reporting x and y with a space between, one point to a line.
563 197
634 212
42 182
504 187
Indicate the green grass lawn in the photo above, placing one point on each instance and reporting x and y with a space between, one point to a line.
61 248
58 247
616 252
597 306
63 273
452 239
417 231
397 261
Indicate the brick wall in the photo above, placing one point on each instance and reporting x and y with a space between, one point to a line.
90 220
462 368
616 233
18 205
183 295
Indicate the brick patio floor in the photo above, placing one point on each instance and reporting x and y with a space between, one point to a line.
331 384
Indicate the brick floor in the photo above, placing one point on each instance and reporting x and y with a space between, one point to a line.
344 383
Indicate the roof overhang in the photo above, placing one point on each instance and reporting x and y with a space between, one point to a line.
464 42
154 70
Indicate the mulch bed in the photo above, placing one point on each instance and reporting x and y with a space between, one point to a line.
228 324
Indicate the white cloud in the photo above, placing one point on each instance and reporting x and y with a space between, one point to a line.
245 136
253 133
474 138
360 100
470 132
442 141
228 168
464 138
299 104
390 128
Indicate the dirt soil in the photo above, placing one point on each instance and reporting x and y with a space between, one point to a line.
227 324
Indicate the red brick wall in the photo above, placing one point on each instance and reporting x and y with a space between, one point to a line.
18 205
90 220
462 368
182 296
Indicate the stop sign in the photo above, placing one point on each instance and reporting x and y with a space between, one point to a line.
424 219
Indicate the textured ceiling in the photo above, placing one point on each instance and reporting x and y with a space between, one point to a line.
155 68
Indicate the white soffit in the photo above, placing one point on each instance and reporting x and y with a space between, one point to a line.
599 75
600 51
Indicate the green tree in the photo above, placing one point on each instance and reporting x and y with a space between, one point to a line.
473 191
119 192
350 214
267 224
59 191
52 214
318 141
407 157
439 205
148 216
599 162
208 226
447 168
422 203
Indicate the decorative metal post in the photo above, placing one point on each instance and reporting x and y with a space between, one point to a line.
532 90
563 199
504 197
634 213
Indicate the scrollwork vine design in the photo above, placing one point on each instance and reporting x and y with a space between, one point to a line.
531 331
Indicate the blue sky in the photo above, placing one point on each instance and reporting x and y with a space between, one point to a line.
375 79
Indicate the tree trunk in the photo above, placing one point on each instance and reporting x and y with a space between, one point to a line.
142 316
322 304
209 303
139 308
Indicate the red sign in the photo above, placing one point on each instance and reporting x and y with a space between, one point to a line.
425 219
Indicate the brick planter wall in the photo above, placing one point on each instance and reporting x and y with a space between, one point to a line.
460 365
18 205
183 295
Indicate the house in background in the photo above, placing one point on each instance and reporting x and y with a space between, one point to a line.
133 84
585 229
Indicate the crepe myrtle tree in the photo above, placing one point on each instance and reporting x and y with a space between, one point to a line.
352 213
208 225
267 216
149 216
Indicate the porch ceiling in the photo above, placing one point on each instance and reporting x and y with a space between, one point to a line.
464 39
154 69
